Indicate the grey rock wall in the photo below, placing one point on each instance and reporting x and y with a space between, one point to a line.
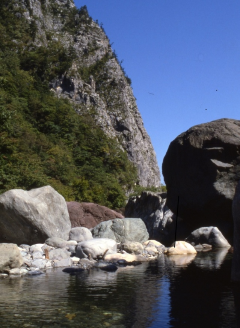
107 93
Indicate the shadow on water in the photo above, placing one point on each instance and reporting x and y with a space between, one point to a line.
174 291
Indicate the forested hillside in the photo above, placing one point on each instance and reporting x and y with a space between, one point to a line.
42 139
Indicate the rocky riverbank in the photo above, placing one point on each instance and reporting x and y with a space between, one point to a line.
39 235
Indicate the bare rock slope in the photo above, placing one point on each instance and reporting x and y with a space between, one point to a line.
96 82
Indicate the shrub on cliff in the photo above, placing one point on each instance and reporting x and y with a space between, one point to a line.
42 139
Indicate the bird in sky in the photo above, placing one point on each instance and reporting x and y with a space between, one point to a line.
151 93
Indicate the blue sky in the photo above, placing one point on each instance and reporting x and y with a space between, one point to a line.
181 52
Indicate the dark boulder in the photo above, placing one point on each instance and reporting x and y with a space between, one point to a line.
236 239
202 167
159 219
89 215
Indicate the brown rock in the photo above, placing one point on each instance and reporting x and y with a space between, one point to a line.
89 215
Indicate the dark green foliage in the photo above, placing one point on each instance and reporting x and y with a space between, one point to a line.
42 139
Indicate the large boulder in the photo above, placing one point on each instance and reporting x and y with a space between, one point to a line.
30 217
122 230
10 257
96 248
89 215
236 240
159 219
201 169
208 235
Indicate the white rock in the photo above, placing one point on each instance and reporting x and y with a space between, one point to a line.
71 243
36 248
23 271
126 257
15 271
37 255
75 259
95 247
40 264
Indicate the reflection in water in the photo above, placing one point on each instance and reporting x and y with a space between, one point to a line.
174 291
212 260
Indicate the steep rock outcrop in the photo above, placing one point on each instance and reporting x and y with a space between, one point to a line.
96 82
202 168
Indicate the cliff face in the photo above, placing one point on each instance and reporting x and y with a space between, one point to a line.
95 82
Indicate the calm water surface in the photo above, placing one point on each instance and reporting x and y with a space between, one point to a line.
177 291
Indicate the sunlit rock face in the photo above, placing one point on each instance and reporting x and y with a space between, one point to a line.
236 218
30 217
201 168
96 82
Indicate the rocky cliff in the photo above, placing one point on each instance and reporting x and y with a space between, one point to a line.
95 81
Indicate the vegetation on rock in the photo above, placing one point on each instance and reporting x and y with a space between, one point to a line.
42 139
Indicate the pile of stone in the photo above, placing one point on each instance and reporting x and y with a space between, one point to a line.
81 251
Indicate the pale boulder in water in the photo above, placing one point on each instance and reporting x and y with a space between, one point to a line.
181 247
96 248
126 257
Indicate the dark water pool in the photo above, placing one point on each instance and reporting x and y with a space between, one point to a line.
176 291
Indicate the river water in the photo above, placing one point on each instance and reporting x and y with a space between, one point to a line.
174 291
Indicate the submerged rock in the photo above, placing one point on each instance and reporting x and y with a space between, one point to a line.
72 270
109 268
